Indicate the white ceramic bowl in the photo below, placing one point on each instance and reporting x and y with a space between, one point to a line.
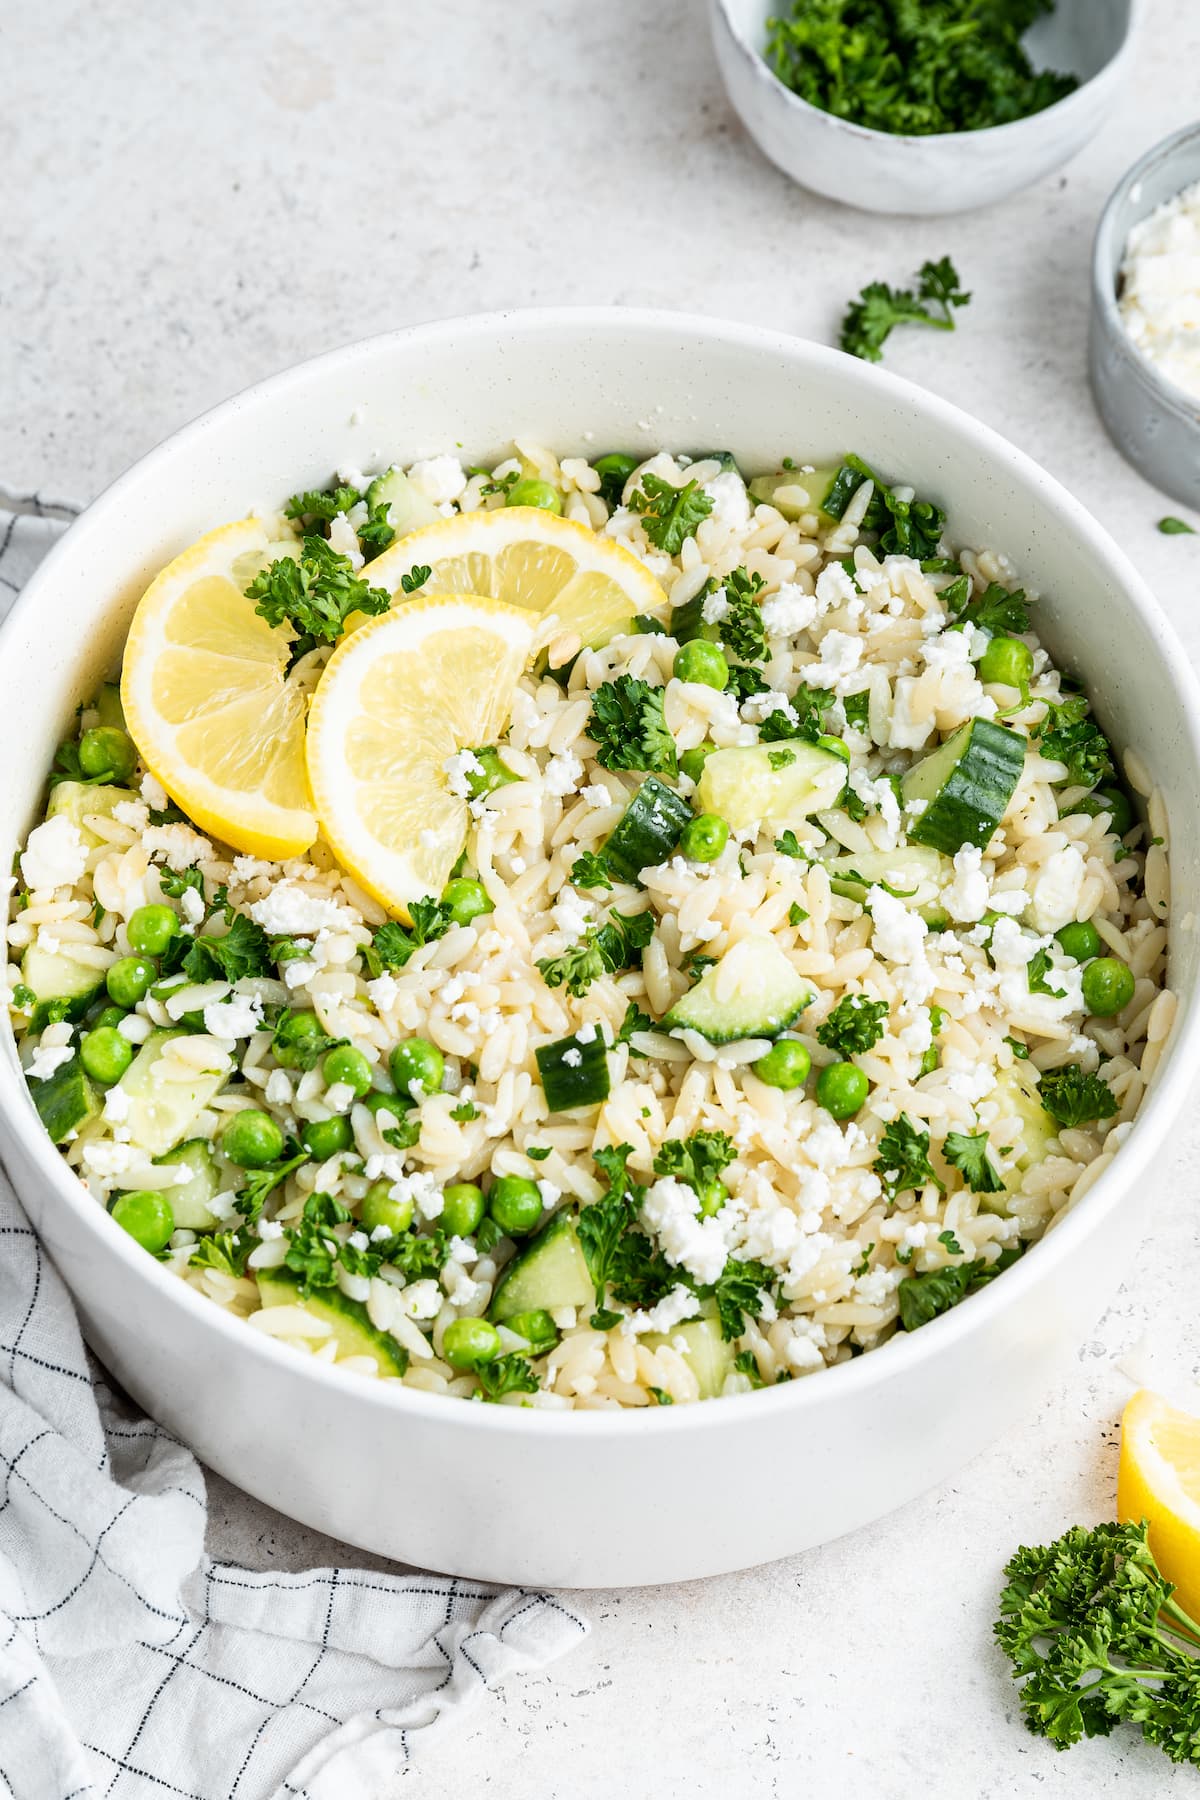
948 172
581 1499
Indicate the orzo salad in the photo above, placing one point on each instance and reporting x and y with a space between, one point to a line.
590 933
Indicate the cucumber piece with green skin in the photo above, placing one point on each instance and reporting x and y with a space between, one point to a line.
772 783
109 708
648 830
161 1113
190 1198
53 975
550 1272
966 785
704 1350
751 992
407 510
573 1074
916 874
353 1331
1017 1094
76 798
795 492
65 1100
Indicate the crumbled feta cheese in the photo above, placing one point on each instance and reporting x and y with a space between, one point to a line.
54 856
132 813
344 539
269 1229
191 904
456 769
967 897
906 730
715 606
178 845
572 1058
1056 889
586 1033
570 914
596 796
731 503
237 1017
841 653
898 934
670 1210
439 478
422 1299
382 992
680 1304
250 868
116 1105
48 1058
789 611
562 773
153 793
288 911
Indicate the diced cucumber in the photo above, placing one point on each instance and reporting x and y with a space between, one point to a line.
752 992
966 785
407 510
1016 1093
774 783
108 706
707 1354
573 1073
916 875
794 492
161 1113
352 1328
65 1100
54 975
189 1201
726 458
648 830
75 798
687 621
550 1272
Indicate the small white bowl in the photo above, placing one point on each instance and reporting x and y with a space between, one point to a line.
1154 424
949 172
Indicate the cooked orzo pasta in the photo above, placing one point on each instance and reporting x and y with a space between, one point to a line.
780 958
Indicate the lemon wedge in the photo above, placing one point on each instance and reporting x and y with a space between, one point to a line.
581 584
208 701
399 697
1159 1479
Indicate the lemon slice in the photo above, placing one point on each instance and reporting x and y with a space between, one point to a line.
208 702
579 582
1159 1480
397 699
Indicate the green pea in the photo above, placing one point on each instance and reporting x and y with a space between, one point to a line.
841 1089
105 1054
515 1204
1107 986
491 773
462 1208
703 662
109 1015
130 980
785 1065
147 1217
704 838
1080 940
692 762
151 928
323 1138
1008 661
532 492
836 746
379 1207
1113 801
536 1327
417 1060
105 751
466 900
290 1034
466 1343
391 1104
614 471
252 1139
344 1066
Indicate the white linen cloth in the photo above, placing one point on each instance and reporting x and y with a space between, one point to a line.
131 1665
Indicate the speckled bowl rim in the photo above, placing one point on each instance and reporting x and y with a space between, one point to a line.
1104 294
987 134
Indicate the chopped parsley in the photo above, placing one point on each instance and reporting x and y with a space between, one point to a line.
968 1152
903 1160
780 759
1019 1050
464 1112
1040 965
320 506
661 1396
923 1297
590 871
393 944
857 707
313 1248
537 1152
699 1162
628 728
243 951
789 845
603 950
854 1025
416 578
669 515
902 527
738 1292
252 1195
225 1251
741 626
314 594
870 319
1176 528
1073 1098
1000 611
512 1374
635 1020
796 914
1068 736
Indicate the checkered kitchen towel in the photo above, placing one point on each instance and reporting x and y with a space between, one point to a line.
131 1666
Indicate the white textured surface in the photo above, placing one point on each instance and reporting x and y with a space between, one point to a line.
192 204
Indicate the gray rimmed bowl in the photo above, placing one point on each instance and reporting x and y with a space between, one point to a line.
949 172
1154 424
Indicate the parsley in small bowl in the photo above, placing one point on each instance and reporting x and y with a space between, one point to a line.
926 109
